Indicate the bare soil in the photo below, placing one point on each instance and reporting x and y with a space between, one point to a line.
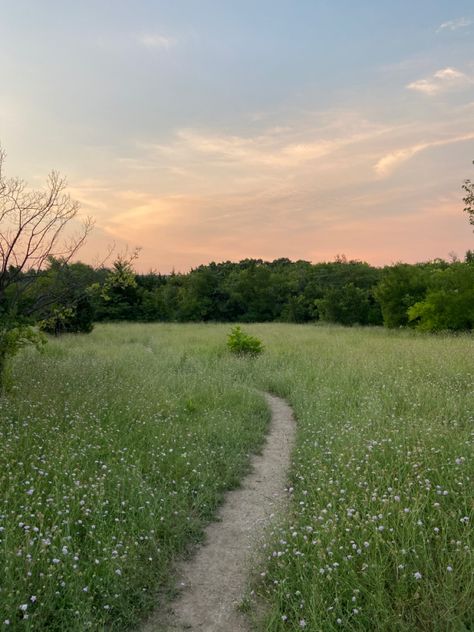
212 584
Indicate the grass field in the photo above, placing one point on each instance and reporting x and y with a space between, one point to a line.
117 447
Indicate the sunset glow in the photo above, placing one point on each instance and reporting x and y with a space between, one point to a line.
208 130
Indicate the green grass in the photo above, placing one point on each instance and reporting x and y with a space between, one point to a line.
376 538
115 449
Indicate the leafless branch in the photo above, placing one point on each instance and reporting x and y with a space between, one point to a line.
33 225
99 264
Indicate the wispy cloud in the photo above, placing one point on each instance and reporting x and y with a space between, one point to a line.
287 185
132 40
454 25
276 148
442 80
388 163
156 41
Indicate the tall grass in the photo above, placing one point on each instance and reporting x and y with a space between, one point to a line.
116 448
379 533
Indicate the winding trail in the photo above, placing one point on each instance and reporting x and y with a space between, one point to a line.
213 582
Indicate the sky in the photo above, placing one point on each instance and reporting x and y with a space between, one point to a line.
213 130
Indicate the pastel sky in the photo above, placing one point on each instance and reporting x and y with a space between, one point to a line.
208 130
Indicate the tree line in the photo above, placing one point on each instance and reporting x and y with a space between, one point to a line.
433 296
43 290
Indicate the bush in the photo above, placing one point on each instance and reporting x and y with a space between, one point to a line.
12 339
76 320
242 344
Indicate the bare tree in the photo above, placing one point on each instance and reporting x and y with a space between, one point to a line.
33 232
33 225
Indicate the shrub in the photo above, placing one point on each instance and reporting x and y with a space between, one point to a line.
242 344
12 339
77 319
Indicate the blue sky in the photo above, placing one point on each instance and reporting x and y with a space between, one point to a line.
218 130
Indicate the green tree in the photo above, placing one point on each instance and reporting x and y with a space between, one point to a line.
200 298
61 298
254 293
401 286
298 309
118 297
449 301
348 305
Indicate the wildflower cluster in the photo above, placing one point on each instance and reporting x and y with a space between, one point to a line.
379 528
114 452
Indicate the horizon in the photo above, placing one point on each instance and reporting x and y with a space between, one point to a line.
206 132
337 259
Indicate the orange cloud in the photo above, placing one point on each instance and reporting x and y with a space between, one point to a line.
308 188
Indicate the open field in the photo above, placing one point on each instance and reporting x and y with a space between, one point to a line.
116 448
378 536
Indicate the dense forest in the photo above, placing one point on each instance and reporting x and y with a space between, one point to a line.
69 297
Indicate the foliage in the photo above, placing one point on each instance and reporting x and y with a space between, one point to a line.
12 339
77 319
117 297
468 199
252 290
58 320
348 305
241 343
121 277
449 302
62 298
298 309
401 286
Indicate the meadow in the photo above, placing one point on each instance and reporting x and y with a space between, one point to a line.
116 449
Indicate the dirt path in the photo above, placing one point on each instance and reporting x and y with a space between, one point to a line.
214 580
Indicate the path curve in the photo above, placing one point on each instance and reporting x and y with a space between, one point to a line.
213 582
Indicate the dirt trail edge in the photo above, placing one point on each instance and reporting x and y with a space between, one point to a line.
213 582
